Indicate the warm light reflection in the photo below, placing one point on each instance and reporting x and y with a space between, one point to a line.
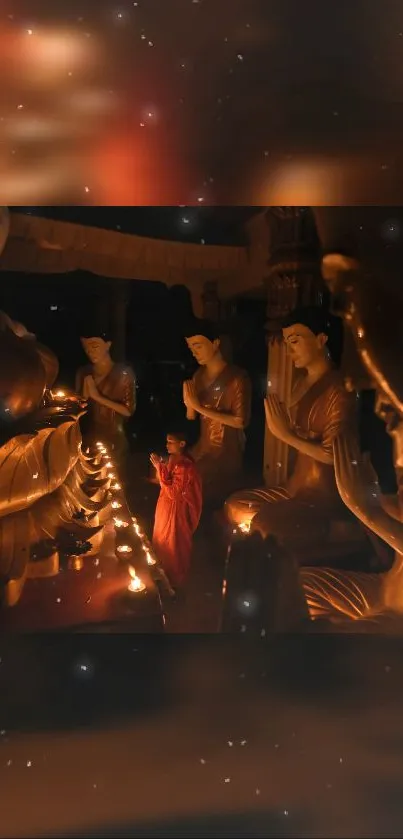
136 585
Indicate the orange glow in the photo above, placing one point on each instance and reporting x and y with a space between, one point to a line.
136 585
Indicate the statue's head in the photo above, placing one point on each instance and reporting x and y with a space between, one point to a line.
203 341
362 266
305 332
96 347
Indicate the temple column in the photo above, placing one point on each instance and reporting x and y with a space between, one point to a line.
211 304
120 300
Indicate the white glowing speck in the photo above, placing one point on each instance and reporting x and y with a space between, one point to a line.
202 761
230 742
227 780
29 763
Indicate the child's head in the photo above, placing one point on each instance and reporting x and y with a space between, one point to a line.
176 442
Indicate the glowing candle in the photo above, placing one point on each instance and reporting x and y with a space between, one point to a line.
124 549
136 585
150 559
244 527
120 522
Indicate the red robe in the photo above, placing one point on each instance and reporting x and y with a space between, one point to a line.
177 515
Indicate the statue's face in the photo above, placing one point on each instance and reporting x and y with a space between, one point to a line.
95 349
202 349
303 346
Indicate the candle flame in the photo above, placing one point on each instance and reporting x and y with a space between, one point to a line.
150 559
116 505
124 549
120 522
116 486
135 584
244 527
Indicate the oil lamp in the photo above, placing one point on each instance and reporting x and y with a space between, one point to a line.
120 522
244 527
136 585
125 550
149 557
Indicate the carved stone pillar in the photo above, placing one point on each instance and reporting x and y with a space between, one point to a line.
120 299
210 301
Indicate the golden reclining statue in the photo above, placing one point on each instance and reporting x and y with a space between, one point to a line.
50 493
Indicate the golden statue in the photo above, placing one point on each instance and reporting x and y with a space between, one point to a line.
367 292
46 483
110 389
320 410
220 394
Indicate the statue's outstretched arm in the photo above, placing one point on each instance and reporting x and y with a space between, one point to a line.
359 489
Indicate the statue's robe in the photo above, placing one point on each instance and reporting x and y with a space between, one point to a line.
219 450
310 498
103 423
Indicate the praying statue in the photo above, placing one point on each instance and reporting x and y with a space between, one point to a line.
321 409
110 389
220 393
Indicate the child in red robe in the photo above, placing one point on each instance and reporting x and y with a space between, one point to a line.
178 510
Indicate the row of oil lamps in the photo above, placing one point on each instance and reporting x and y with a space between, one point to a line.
127 528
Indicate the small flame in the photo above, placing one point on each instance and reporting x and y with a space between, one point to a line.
150 559
244 527
60 394
109 465
137 530
124 549
116 505
135 585
116 486
120 522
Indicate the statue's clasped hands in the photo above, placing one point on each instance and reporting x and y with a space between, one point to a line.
277 417
90 390
190 397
